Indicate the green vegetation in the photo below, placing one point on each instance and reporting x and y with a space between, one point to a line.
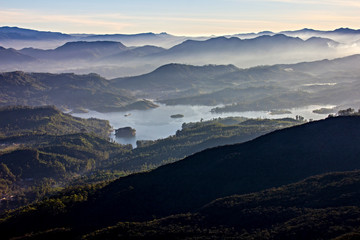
33 171
146 205
320 207
348 112
195 137
21 120
44 150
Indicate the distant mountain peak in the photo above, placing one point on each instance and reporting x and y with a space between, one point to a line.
308 29
347 31
266 32
77 44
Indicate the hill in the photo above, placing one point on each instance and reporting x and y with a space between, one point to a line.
172 77
255 45
320 207
260 50
42 146
63 90
278 158
286 156
195 137
11 56
259 88
39 165
43 149
79 50
21 120
15 33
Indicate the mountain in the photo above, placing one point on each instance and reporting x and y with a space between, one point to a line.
342 35
134 53
195 137
227 96
261 88
320 207
236 49
11 56
18 38
320 67
15 33
275 159
21 120
77 50
279 86
43 149
42 146
83 53
141 39
278 158
171 77
63 90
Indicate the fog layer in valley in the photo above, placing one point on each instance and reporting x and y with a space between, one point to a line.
126 55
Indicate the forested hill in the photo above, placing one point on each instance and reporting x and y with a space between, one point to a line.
321 207
278 158
22 120
43 149
275 159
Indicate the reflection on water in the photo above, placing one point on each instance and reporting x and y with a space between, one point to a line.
156 123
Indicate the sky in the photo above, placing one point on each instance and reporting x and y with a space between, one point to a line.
185 17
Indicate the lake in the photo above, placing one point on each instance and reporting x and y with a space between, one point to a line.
156 123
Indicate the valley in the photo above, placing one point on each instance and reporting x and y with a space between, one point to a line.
161 136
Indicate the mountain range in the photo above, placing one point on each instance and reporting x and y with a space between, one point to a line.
258 88
10 35
266 88
117 55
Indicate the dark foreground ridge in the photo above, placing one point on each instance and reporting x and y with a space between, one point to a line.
321 207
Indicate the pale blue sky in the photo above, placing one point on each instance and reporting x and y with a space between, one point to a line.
186 17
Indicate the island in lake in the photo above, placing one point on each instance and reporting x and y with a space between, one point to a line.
177 116
125 132
279 112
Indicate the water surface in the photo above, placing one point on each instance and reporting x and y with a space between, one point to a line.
156 123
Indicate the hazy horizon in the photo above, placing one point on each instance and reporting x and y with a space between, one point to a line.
181 18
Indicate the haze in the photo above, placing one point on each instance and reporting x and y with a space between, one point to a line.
190 18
